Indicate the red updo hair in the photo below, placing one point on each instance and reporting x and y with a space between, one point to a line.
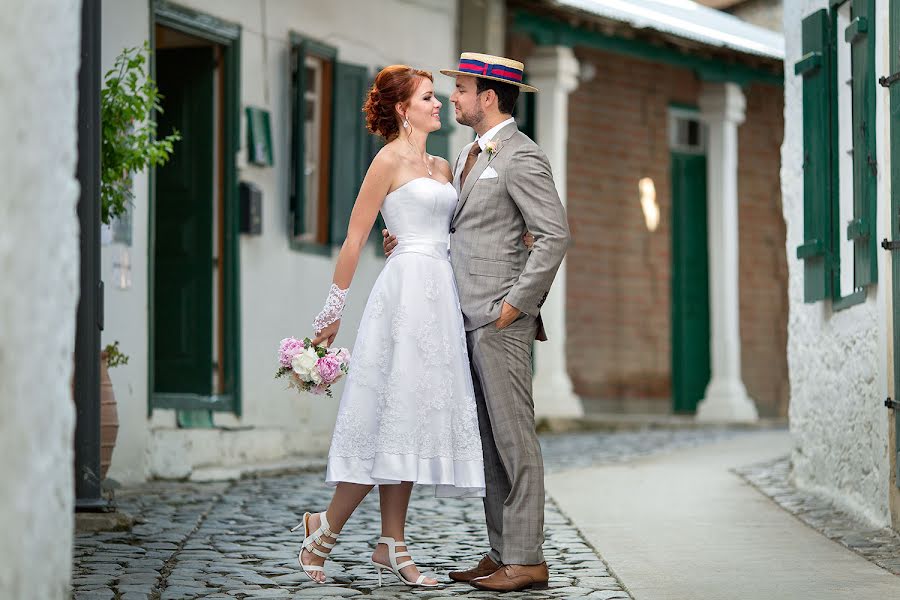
396 83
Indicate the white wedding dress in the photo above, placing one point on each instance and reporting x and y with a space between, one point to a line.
408 408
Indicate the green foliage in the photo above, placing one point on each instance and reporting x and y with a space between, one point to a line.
114 356
127 102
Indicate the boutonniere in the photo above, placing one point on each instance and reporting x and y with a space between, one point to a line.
491 147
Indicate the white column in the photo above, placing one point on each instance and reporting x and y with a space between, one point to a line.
722 106
554 71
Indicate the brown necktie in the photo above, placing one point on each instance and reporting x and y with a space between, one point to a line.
471 157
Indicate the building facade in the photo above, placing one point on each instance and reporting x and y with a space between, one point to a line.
675 291
267 97
662 145
840 184
765 13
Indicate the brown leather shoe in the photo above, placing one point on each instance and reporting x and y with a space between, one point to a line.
486 566
512 578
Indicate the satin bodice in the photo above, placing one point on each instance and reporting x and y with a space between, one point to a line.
419 214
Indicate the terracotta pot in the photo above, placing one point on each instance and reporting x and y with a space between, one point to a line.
109 417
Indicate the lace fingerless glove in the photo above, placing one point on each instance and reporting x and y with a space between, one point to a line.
334 308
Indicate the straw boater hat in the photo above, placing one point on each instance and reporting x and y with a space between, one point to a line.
491 67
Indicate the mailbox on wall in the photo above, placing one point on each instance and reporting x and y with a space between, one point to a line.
259 137
251 208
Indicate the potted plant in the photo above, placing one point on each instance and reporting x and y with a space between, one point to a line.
110 358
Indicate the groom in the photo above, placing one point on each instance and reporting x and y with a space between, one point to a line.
505 187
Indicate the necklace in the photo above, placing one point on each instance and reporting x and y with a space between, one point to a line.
425 160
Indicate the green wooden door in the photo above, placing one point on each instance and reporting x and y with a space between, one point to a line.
895 214
690 282
183 269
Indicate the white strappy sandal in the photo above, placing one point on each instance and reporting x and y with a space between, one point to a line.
310 541
392 544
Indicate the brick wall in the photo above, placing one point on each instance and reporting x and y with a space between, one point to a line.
763 257
618 295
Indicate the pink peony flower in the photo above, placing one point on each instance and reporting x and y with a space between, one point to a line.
289 348
343 355
329 367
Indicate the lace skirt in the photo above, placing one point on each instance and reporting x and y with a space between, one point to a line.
408 408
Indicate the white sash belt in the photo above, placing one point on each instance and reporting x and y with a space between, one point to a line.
432 248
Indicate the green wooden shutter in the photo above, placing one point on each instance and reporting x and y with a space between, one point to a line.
375 144
816 67
349 147
861 229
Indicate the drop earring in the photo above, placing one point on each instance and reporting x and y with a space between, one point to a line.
405 123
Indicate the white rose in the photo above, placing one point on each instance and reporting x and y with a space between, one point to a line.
304 364
315 376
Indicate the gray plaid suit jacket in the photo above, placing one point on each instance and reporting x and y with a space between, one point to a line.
490 261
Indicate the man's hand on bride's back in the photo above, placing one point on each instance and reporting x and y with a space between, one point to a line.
528 239
388 242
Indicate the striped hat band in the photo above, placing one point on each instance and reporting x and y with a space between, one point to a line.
477 67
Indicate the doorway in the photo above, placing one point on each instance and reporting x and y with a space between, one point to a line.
690 262
194 348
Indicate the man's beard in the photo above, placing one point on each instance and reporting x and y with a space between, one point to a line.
470 120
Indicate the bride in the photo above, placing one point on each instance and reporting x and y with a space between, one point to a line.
408 412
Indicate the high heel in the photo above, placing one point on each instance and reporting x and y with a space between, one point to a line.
310 541
394 568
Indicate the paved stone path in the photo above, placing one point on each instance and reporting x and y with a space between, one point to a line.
232 540
879 545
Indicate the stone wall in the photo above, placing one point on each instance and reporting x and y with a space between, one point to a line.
39 41
837 359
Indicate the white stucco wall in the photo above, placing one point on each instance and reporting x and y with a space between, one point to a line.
837 360
125 24
281 289
39 41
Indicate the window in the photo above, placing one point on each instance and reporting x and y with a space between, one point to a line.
330 149
686 132
311 85
313 142
839 167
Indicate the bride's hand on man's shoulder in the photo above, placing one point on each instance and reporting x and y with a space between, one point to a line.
388 242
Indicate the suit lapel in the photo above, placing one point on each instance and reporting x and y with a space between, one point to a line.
481 164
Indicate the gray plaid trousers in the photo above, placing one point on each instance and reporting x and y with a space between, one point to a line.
514 467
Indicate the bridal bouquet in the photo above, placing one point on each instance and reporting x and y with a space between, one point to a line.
311 368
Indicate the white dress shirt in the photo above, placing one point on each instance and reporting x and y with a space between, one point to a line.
490 133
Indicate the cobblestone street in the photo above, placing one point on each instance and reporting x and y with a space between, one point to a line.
232 540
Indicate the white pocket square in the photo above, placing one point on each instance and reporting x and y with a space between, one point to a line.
488 173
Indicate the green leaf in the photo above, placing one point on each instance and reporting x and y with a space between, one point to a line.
128 100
